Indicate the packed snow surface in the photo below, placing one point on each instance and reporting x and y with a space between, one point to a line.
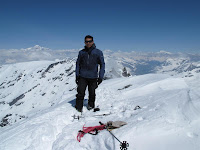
167 120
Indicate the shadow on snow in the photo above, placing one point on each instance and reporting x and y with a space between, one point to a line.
73 102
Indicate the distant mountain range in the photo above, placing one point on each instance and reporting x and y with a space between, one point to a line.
134 63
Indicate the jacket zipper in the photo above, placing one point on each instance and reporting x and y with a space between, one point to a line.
88 62
88 59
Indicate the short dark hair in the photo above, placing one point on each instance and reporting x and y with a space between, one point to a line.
88 36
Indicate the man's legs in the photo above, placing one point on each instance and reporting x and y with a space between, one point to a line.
92 85
82 84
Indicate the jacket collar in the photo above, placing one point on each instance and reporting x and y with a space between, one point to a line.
89 50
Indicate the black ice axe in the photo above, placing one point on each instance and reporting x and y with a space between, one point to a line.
123 145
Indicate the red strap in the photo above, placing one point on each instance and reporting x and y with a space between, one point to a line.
89 130
80 135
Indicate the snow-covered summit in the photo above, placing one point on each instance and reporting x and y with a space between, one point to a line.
164 52
37 104
36 48
38 90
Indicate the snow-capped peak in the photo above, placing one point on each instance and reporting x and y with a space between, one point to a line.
36 48
164 52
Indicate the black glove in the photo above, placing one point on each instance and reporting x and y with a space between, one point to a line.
99 81
77 79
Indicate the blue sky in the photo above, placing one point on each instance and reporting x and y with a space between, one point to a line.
135 25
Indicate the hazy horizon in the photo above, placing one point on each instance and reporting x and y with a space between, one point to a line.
119 50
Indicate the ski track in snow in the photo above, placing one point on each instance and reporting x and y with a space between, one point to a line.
168 118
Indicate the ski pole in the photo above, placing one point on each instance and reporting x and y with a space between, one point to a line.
123 145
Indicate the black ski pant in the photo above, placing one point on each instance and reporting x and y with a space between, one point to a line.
82 85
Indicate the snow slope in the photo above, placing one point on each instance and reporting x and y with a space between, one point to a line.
168 118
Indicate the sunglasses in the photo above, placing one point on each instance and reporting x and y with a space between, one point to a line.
89 41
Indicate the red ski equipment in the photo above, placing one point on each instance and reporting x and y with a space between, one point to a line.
91 130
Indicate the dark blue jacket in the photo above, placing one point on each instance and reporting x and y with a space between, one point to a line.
88 61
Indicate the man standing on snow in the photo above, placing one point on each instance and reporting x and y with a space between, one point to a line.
87 73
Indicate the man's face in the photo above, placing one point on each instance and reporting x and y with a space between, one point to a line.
89 42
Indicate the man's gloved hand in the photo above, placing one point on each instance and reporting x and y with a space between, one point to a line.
77 79
99 81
